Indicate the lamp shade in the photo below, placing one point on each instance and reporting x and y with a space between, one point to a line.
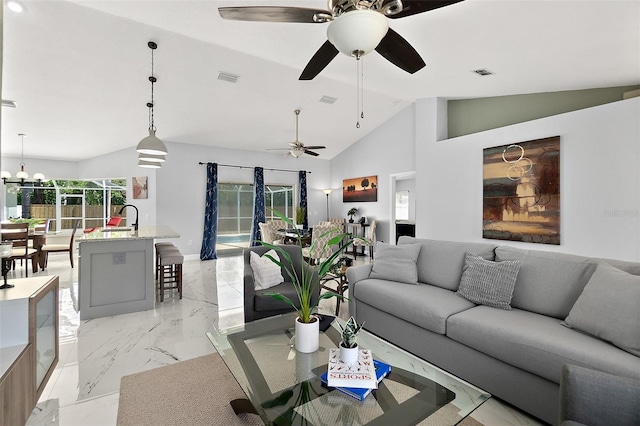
152 158
357 31
38 176
22 174
152 145
327 191
149 164
5 175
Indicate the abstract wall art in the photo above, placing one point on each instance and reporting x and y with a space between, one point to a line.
521 191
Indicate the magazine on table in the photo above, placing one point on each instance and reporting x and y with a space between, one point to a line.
382 371
360 374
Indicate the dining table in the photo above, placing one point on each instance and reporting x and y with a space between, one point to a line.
38 238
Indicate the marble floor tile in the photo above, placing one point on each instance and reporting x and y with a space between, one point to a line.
94 355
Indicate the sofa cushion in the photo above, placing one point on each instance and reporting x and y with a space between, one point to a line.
440 262
609 308
548 283
266 273
536 343
396 263
488 283
423 305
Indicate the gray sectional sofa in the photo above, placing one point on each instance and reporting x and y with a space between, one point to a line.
516 355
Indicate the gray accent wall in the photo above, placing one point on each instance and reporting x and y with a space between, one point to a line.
467 116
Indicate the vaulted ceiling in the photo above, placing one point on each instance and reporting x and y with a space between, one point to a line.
78 70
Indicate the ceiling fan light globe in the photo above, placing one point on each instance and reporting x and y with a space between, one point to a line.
297 152
152 145
357 31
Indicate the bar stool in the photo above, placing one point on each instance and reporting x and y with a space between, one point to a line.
170 271
159 247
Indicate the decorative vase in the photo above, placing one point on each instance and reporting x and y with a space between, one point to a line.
307 336
348 355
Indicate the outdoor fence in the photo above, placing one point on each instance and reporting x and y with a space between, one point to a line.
93 214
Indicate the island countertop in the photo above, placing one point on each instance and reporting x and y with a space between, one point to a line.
127 233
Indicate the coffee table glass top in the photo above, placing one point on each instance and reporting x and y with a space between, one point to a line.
283 385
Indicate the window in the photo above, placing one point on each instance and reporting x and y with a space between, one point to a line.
235 210
64 201
402 205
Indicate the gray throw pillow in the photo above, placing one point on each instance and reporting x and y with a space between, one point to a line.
488 283
396 263
609 308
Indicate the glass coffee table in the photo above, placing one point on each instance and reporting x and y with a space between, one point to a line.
283 386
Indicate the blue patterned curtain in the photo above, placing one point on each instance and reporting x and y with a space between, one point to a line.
302 175
258 205
208 250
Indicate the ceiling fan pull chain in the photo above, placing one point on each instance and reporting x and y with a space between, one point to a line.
357 91
362 89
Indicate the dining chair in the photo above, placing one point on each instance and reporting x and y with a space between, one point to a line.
61 248
18 234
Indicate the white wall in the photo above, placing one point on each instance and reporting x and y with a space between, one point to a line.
387 150
599 174
182 184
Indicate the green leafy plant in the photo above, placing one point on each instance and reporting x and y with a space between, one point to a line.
304 283
300 215
350 333
32 222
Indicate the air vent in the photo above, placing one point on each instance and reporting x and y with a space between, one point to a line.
328 100
8 103
483 72
226 76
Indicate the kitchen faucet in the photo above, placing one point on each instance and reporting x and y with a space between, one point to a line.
135 224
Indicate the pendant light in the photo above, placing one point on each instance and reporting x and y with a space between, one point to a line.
151 145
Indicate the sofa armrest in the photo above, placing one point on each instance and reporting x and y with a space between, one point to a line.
354 275
596 398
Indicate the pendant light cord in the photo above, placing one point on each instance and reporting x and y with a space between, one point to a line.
153 80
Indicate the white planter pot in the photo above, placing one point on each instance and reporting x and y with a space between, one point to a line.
307 336
348 355
300 227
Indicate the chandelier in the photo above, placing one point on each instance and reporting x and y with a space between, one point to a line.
22 177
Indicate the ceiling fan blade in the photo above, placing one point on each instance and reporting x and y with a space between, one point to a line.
320 60
315 154
276 149
271 14
399 52
413 7
315 147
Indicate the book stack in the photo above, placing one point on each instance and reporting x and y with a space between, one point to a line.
358 379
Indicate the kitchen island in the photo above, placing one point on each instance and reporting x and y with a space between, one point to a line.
116 274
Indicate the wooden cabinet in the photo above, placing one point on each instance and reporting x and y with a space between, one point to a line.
17 391
28 345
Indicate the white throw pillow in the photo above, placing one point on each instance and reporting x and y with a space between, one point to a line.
266 274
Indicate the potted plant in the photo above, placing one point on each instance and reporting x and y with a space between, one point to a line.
352 212
349 343
300 217
306 285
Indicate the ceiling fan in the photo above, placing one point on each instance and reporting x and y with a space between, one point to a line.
297 148
356 27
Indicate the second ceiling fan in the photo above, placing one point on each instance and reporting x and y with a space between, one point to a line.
297 148
356 27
